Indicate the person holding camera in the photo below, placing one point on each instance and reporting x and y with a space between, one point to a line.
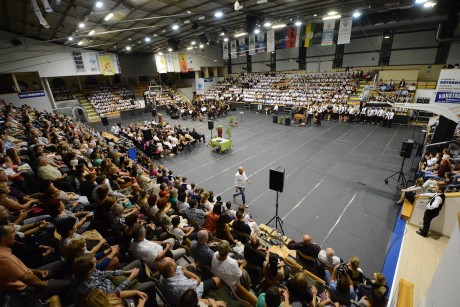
341 285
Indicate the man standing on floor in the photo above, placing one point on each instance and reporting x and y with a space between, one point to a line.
240 185
432 209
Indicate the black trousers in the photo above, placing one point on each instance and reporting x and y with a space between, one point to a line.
427 218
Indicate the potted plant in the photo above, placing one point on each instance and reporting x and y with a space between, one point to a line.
228 132
232 121
281 120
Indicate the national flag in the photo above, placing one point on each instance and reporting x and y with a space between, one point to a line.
300 38
309 34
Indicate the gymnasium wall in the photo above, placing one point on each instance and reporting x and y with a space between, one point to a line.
454 54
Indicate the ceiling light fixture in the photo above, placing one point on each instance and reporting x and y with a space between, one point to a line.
222 33
128 48
193 43
225 39
241 34
175 27
278 26
201 46
386 37
186 21
298 23
314 15
91 32
267 24
70 38
218 14
189 48
331 13
99 4
147 39
429 4
356 14
420 1
332 17
256 31
237 6
80 43
160 53
108 17
169 49
201 17
81 25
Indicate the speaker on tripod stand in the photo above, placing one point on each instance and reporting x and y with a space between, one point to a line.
276 183
405 153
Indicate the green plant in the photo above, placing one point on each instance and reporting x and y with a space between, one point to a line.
281 120
228 132
231 119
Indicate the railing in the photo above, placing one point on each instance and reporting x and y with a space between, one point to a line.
70 111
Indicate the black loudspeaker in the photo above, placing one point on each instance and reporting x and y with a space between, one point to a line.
275 119
154 113
80 112
276 182
105 121
147 134
406 149
287 121
444 131
210 124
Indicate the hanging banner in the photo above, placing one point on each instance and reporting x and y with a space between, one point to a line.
252 44
169 62
299 40
190 63
309 34
233 51
448 88
200 86
183 63
225 50
260 42
242 46
328 33
270 40
92 60
106 64
345 31
176 64
161 64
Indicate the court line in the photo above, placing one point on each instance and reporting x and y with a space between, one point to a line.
303 198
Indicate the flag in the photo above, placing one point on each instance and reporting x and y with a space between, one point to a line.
106 64
260 42
225 50
161 64
233 51
271 40
300 37
169 62
328 33
176 64
252 44
190 63
286 38
345 31
309 34
242 46
183 63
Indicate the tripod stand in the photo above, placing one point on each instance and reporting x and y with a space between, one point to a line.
401 178
278 222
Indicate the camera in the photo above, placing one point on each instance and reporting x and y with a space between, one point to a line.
343 269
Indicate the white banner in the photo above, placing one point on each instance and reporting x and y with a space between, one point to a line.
169 62
190 63
233 49
345 30
92 59
448 88
176 64
328 33
252 44
270 40
160 63
242 46
200 86
225 50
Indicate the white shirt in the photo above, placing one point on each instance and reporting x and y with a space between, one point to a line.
115 130
436 202
228 270
240 180
146 251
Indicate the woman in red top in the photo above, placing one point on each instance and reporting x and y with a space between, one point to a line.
211 219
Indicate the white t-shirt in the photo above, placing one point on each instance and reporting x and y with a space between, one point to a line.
178 233
240 180
146 251
228 270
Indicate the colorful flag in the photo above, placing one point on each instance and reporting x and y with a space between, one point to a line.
309 34
345 30
106 64
183 63
299 41
328 33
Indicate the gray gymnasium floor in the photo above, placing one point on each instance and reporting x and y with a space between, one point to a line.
334 188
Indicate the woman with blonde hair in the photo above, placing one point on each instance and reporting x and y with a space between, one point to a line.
98 298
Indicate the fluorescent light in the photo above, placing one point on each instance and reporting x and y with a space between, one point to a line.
91 32
175 27
261 1
99 4
429 4
332 17
160 53
278 26
108 17
186 21
267 24
386 37
80 43
240 34
201 18
201 46
356 14
218 14
70 38
298 23
193 43
225 39
420 1
332 13
222 33
128 48
81 25
169 49
189 48
147 39
257 31
314 15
